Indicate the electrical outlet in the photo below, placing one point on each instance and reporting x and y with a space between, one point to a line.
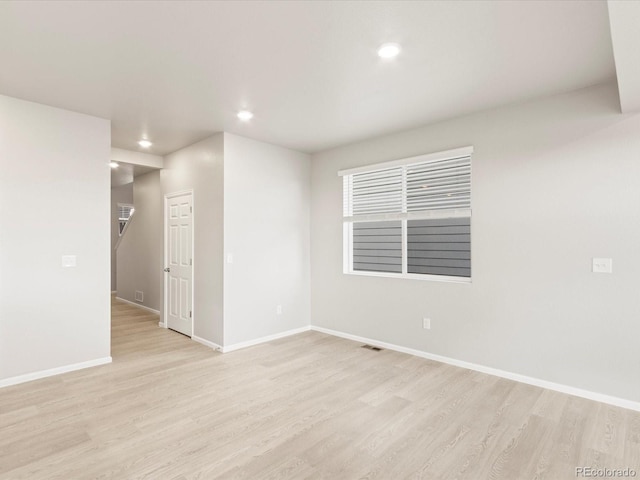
279 310
602 265
68 261
139 296
426 323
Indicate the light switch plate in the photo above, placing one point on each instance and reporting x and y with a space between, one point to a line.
602 265
68 261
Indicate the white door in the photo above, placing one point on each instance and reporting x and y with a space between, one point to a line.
178 262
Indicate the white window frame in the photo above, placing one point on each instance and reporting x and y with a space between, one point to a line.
403 218
123 222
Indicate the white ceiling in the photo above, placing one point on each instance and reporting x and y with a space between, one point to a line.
179 71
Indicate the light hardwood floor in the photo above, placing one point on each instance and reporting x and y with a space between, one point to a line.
306 406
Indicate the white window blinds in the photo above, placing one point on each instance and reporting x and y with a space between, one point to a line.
406 190
374 192
439 184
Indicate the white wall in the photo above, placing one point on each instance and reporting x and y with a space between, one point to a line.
199 167
54 201
122 194
139 255
136 158
555 183
266 230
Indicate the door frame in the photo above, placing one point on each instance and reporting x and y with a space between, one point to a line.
165 278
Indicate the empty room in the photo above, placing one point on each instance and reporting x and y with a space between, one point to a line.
319 240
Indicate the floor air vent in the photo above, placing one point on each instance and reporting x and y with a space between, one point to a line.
371 347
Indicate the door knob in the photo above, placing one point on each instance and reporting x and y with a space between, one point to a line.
167 269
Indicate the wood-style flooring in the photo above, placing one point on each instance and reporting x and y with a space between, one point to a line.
307 406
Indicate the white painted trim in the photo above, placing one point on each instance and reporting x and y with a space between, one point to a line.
207 343
161 325
421 215
138 305
436 156
178 193
268 338
411 276
114 291
558 387
53 371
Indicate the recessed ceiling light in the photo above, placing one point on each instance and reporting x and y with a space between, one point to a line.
245 115
389 50
113 164
145 143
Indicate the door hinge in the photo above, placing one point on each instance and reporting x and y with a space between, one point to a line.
191 261
190 209
190 313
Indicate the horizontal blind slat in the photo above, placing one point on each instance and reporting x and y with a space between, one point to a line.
446 188
444 180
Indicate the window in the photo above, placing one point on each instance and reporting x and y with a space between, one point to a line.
410 218
124 213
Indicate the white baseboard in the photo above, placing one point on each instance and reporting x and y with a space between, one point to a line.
558 387
157 312
161 324
53 371
207 343
268 338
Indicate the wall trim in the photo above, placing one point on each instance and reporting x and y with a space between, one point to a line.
268 338
53 371
206 343
558 387
157 312
161 325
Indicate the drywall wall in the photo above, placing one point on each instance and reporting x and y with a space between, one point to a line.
119 195
266 232
199 168
555 183
54 201
139 254
136 158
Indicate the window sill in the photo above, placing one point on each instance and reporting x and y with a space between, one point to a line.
412 276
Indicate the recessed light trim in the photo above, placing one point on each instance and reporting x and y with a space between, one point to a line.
389 50
144 143
113 164
245 115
